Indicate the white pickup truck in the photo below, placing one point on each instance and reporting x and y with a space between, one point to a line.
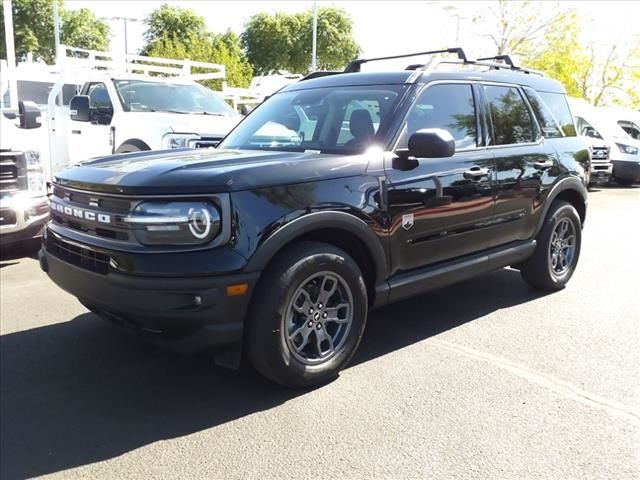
127 113
133 103
23 203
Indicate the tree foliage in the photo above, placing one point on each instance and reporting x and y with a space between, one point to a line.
82 29
547 36
284 41
180 33
34 30
513 27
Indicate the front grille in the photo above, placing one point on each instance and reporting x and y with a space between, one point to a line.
13 171
77 255
206 142
115 208
600 154
8 217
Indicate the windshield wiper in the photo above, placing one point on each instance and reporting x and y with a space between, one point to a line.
215 114
162 111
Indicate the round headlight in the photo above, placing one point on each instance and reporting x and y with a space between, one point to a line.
200 222
174 223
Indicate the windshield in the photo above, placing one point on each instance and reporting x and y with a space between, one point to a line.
146 96
329 120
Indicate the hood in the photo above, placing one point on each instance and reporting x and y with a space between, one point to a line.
204 171
204 125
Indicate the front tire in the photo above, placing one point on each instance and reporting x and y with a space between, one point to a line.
308 315
557 250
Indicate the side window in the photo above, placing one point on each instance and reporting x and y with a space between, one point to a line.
631 128
558 105
447 106
99 96
512 122
546 120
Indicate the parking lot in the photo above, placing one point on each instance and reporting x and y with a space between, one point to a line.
485 379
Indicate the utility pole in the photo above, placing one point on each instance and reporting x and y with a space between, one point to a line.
314 62
11 53
56 30
125 20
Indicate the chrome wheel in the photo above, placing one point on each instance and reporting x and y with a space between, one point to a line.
562 247
318 318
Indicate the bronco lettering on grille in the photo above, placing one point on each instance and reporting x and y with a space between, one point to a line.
81 213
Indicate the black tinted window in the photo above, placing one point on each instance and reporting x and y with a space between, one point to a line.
558 105
546 120
99 96
450 107
510 116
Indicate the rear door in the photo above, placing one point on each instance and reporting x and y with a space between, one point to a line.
526 164
441 208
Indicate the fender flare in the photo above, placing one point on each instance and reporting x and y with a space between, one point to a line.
567 183
319 221
139 144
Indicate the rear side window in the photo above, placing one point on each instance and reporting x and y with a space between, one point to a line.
546 120
559 107
512 122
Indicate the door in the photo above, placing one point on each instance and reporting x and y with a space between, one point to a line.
526 164
92 138
441 208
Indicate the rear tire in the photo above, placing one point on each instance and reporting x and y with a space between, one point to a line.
557 250
307 316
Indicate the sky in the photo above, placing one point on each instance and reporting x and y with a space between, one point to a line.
380 27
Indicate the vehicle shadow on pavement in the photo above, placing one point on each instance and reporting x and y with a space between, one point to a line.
10 254
82 391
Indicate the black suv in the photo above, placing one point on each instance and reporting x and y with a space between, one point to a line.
340 193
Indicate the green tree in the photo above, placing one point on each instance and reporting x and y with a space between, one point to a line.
180 33
601 79
82 29
169 22
561 55
284 42
34 30
513 26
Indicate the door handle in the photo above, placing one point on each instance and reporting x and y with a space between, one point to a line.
76 132
543 164
476 173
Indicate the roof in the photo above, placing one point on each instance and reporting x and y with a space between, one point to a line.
462 72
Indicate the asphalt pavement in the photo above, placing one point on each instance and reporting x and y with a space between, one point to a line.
484 379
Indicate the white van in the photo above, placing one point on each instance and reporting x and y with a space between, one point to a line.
624 150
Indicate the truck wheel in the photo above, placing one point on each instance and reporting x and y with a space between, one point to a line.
307 316
557 250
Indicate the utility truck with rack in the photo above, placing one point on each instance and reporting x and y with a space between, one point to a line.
134 103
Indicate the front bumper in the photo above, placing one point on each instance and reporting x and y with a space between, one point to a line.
626 170
600 173
184 313
23 220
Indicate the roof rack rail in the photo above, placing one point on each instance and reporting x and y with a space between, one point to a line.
355 65
318 74
500 58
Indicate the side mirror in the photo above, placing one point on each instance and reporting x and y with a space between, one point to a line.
29 114
432 143
245 110
79 108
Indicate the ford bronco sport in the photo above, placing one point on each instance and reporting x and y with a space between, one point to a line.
340 193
